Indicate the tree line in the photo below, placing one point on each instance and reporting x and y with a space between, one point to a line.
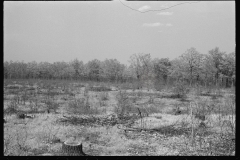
213 68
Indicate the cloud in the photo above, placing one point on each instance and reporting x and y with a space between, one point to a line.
165 5
152 24
144 8
165 13
169 25
157 24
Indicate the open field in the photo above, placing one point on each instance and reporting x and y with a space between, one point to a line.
113 119
119 79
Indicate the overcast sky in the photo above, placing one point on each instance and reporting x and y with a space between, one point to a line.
63 31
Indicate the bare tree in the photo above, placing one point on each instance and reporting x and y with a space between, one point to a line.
113 69
161 68
94 69
191 66
78 67
227 67
32 69
207 69
141 65
217 58
191 61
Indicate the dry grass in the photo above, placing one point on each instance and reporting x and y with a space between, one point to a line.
139 122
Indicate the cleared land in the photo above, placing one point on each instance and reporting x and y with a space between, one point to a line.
114 119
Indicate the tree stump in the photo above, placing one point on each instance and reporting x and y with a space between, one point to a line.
72 148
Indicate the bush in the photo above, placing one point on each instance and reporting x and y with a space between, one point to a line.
104 96
51 105
123 104
181 89
12 107
81 106
24 97
86 90
158 85
137 85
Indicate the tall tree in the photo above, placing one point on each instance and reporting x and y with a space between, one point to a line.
217 58
192 61
227 67
177 70
113 69
207 69
94 69
6 69
78 67
161 68
32 69
141 65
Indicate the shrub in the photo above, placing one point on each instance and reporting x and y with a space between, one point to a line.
86 90
139 94
151 100
104 96
81 106
24 97
102 103
181 89
12 107
16 98
198 90
158 86
123 104
137 85
51 105
77 104
33 108
134 99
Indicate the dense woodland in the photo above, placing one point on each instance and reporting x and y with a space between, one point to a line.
212 68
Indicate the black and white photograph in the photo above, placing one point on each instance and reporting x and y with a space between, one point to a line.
119 78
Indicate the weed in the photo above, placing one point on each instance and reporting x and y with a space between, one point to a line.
24 97
51 105
151 100
104 96
99 88
86 90
102 103
33 107
139 94
134 99
12 107
81 106
124 106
